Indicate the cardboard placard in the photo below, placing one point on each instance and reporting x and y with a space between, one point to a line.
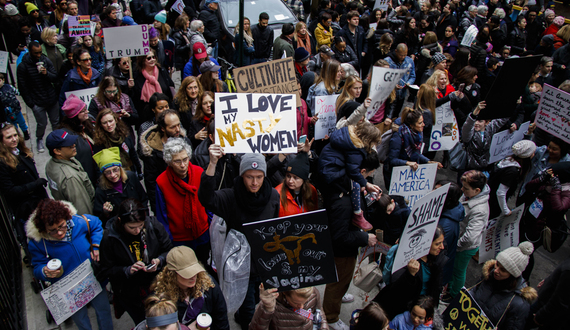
3 61
79 25
417 237
508 87
465 313
553 113
275 77
501 233
292 252
326 111
258 123
383 82
178 6
85 95
503 141
445 134
126 41
411 184
382 4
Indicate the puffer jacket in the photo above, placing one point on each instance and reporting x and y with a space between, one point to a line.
494 302
212 31
181 49
348 56
73 82
517 40
283 318
478 147
476 216
36 88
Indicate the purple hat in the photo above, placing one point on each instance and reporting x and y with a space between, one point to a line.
73 106
152 33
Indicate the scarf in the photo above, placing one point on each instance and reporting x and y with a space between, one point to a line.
85 77
254 203
248 39
151 84
290 41
304 42
412 141
300 69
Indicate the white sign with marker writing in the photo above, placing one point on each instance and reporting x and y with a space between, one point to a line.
503 141
383 82
85 95
411 184
553 113
326 112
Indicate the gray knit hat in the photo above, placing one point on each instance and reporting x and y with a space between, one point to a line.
515 259
438 58
524 149
252 162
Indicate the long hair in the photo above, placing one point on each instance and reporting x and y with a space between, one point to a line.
430 38
328 75
101 136
166 282
141 60
432 80
345 95
426 99
298 27
6 155
181 98
199 111
105 184
461 61
209 83
369 134
108 81
306 194
372 317
465 75
408 31
385 43
180 23
77 126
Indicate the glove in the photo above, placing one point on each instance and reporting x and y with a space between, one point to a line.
42 182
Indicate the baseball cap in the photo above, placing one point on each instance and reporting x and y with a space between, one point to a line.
326 50
199 51
60 138
183 261
209 66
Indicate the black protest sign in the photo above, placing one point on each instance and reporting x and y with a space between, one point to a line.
463 313
273 77
292 252
508 87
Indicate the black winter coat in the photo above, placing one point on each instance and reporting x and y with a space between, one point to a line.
478 57
150 9
361 41
36 88
141 106
22 187
262 41
196 125
181 49
122 79
553 302
132 188
227 168
517 41
212 31
348 56
214 305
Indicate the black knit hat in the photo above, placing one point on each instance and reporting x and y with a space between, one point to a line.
287 29
299 166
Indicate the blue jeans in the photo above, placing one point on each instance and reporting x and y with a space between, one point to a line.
103 310
19 121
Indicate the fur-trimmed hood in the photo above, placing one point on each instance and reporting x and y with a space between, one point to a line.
34 233
526 292
151 140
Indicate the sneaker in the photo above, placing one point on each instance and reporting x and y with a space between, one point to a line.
26 135
338 325
41 147
359 221
347 298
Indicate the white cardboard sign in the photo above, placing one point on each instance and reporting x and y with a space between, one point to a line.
85 95
413 185
553 113
3 61
503 141
444 134
126 41
326 111
501 233
383 82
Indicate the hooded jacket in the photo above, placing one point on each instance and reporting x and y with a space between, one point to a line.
73 82
36 88
69 182
477 216
495 302
72 253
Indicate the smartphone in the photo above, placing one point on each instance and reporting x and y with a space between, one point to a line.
151 266
302 139
461 87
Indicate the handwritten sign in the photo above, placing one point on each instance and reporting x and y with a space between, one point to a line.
258 123
501 233
411 184
270 77
3 61
68 295
465 313
383 82
326 111
382 4
445 134
126 41
292 252
79 25
178 6
85 95
503 141
420 228
553 113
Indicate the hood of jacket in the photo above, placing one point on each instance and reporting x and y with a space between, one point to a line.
346 139
454 214
523 290
509 161
151 140
481 198
34 233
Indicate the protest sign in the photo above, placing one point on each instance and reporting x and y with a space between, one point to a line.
126 41
416 239
259 123
3 61
382 4
469 36
508 87
270 77
326 111
85 95
501 233
411 184
68 295
383 82
292 252
79 25
464 313
445 134
553 113
503 141
178 6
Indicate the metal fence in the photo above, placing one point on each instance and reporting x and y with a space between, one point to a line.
11 289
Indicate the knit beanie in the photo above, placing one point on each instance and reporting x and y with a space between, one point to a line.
299 166
30 7
524 149
11 10
73 106
287 29
515 259
301 54
161 16
438 58
558 21
548 12
252 162
152 33
548 39
107 158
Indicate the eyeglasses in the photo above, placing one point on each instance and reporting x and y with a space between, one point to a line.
115 91
86 59
112 170
152 57
62 228
179 162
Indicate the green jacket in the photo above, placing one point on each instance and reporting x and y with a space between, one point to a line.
281 46
68 181
59 47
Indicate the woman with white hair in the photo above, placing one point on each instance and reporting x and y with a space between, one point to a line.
195 35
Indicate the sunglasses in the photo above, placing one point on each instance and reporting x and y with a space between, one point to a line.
111 92
124 63
4 124
86 59
152 57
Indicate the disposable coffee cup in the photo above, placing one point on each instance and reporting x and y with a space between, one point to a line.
54 264
40 65
203 321
380 235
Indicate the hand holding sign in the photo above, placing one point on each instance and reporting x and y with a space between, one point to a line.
413 267
216 152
